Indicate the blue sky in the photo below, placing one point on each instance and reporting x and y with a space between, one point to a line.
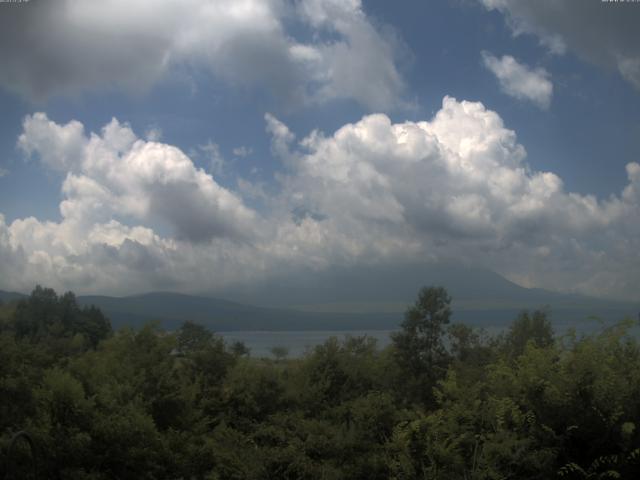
197 79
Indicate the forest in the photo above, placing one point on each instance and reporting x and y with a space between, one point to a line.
443 401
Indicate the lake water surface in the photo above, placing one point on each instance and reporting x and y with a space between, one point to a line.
260 343
298 342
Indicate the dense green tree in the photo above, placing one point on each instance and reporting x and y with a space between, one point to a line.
193 337
535 328
279 352
252 391
339 371
442 402
419 346
239 349
45 315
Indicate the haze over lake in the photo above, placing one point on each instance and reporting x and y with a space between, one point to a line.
300 342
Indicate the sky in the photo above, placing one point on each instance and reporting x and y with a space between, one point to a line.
198 145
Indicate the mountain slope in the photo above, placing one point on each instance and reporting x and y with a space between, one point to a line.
393 288
10 296
348 299
171 309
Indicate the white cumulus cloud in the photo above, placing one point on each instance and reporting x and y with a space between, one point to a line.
603 33
456 186
60 146
116 173
519 81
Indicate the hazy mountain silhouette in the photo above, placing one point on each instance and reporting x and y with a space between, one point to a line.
10 296
171 309
393 287
350 299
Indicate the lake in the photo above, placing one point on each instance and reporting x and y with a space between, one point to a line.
260 343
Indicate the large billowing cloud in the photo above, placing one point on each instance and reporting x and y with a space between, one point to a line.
454 187
604 33
49 48
117 174
457 187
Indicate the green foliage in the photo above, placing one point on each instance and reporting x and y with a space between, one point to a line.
442 402
419 347
279 352
535 328
58 320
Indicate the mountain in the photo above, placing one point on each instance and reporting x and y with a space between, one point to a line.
480 296
171 309
10 296
391 285
360 299
367 298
